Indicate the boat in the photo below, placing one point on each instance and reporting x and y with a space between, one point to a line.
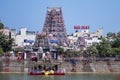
40 68
46 73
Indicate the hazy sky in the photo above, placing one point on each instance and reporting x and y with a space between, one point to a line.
31 14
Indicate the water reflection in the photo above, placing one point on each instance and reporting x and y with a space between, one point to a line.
66 77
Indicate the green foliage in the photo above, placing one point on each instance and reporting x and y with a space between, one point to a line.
118 35
116 43
1 51
115 52
76 53
92 50
72 53
1 25
60 50
111 35
104 48
5 42
69 53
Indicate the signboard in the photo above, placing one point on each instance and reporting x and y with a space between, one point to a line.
81 27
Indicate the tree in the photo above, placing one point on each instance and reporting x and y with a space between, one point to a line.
5 41
111 35
116 43
118 35
116 47
1 25
104 48
1 51
92 50
60 50
115 52
69 53
76 53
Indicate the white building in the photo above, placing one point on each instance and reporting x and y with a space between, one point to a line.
24 37
89 37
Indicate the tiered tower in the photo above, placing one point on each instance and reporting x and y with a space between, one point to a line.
54 24
53 30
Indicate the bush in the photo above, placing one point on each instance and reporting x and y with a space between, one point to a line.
1 51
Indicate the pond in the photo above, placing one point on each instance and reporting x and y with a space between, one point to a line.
92 76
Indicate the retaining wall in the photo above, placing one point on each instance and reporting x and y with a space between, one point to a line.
81 66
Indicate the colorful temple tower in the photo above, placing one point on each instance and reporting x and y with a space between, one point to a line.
54 27
54 24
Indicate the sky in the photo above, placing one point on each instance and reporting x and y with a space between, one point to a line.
31 14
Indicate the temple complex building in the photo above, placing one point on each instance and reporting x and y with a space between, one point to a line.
23 37
84 38
54 30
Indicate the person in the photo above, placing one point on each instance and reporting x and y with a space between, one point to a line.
51 71
19 57
43 57
49 56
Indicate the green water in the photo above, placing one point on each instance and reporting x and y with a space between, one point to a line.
66 77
